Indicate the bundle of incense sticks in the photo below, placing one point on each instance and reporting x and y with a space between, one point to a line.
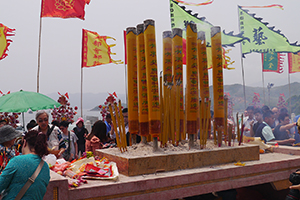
242 130
204 122
118 121
225 117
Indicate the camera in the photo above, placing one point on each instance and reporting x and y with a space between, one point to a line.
294 194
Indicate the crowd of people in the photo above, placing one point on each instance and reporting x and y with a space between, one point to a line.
270 125
27 149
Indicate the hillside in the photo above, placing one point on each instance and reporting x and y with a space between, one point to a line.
92 100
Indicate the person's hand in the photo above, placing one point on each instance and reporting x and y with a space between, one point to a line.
251 123
295 187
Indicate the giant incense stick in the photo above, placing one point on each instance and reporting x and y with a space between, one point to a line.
167 78
142 84
152 81
217 68
177 69
133 121
191 81
202 73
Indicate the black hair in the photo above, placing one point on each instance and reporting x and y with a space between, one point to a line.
99 130
250 108
55 123
282 116
258 110
108 115
283 110
64 124
268 113
37 141
265 108
125 110
31 124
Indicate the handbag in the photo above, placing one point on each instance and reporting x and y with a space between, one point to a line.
30 181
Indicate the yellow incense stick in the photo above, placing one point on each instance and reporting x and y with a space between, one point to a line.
121 130
177 112
225 116
217 69
142 83
119 144
191 79
152 79
132 88
177 69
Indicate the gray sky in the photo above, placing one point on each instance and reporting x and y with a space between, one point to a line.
61 42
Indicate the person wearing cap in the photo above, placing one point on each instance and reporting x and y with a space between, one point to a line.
81 132
7 139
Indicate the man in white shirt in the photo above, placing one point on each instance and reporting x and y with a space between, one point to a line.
248 121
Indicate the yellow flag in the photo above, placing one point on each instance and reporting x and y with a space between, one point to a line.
95 50
4 42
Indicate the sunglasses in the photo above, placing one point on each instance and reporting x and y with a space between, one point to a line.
41 120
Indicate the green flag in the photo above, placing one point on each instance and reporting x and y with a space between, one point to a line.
272 62
261 38
180 17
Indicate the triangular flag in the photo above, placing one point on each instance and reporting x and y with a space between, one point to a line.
261 38
4 42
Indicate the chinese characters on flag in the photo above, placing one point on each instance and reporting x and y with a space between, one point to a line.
64 8
294 62
95 50
4 42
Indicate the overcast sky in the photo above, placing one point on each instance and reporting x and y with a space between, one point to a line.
61 42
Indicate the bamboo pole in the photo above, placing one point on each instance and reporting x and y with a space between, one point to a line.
133 122
191 82
142 84
152 81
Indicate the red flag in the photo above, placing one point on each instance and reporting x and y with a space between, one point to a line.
64 8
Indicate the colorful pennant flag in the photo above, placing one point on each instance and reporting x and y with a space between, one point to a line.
4 42
180 17
195 4
262 39
272 62
64 8
294 62
95 50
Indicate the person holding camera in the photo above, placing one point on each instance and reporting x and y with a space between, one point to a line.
8 136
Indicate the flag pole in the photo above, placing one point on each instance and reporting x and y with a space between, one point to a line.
81 91
243 76
263 78
289 91
242 64
39 58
